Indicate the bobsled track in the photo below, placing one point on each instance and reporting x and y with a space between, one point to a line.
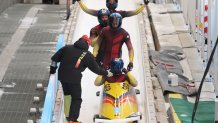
85 22
167 38
91 103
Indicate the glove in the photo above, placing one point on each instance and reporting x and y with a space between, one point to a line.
146 2
130 66
109 73
74 1
53 69
124 70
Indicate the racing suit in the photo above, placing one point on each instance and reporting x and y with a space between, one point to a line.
110 43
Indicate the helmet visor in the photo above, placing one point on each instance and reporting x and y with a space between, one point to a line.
115 22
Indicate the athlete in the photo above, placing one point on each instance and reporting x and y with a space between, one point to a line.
112 5
103 19
111 40
119 74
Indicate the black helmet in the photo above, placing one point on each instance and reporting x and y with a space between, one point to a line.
101 13
115 17
111 5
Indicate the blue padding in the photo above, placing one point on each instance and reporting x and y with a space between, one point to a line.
60 43
49 101
51 90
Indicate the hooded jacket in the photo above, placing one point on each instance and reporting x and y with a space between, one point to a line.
74 59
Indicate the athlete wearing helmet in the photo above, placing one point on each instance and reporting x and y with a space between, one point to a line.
112 39
103 15
119 74
115 21
116 66
111 5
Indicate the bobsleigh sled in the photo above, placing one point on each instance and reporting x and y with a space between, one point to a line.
118 101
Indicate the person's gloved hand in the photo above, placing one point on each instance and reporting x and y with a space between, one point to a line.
74 1
109 73
130 66
146 2
53 69
124 70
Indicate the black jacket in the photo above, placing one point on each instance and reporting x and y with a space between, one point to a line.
74 59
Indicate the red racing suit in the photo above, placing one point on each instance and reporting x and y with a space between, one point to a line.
110 43
95 31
